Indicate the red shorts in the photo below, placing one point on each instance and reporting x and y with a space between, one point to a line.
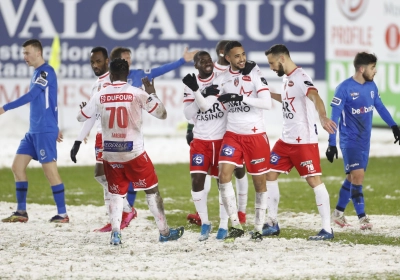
253 149
204 156
98 147
140 171
304 157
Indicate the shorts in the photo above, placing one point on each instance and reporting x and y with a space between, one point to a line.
204 156
140 171
354 159
253 150
304 157
40 146
98 148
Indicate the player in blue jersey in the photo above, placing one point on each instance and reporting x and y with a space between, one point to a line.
135 79
39 142
353 105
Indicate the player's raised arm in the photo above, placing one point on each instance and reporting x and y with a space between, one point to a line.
89 110
153 104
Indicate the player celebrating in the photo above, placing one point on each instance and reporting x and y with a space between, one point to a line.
99 63
135 79
353 104
246 95
209 117
40 141
242 184
125 160
298 144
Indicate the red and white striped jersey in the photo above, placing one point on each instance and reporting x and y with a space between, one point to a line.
299 113
120 106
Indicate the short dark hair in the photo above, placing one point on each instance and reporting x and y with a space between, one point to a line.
230 45
221 46
198 54
278 49
34 43
100 49
363 58
119 68
117 51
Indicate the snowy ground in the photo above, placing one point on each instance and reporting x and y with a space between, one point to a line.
40 250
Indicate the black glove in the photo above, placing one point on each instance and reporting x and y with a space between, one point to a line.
331 152
248 67
211 90
396 133
191 81
74 150
230 97
189 136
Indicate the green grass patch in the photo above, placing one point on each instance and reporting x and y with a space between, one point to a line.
381 192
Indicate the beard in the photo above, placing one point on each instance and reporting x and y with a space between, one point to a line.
368 78
280 71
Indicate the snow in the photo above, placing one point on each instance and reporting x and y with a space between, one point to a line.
38 249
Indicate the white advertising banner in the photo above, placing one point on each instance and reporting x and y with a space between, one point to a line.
373 26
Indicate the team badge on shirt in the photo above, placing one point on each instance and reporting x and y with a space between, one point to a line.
236 81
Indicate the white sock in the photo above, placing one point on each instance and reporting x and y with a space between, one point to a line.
116 205
272 201
260 208
242 188
323 204
229 201
200 202
127 206
103 182
223 216
207 185
156 207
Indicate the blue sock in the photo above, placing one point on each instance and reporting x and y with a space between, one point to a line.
131 196
21 189
358 200
59 198
344 196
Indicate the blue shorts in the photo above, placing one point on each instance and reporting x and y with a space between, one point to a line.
40 146
354 159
